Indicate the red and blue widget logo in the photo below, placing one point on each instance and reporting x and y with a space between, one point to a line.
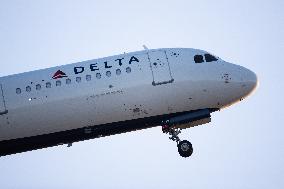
59 74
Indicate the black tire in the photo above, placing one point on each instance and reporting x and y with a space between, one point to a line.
185 148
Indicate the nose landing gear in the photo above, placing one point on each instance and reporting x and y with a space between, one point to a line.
184 147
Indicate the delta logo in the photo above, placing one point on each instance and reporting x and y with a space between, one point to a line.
59 74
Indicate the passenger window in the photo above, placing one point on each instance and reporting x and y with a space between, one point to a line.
108 73
38 87
68 81
28 89
78 79
48 85
88 77
118 72
98 75
198 59
210 58
18 91
58 83
128 70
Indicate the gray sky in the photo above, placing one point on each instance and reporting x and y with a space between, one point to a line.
243 147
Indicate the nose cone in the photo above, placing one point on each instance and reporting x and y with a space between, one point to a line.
240 82
249 81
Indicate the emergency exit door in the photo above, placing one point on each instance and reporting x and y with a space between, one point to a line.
160 67
3 109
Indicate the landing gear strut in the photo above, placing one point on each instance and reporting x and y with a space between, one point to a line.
184 147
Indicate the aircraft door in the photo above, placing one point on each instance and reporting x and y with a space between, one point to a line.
3 109
160 67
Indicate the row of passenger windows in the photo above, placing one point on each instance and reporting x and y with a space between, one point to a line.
68 80
208 58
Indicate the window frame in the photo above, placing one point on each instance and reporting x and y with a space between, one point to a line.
58 83
98 75
198 61
28 89
18 91
128 70
210 58
68 81
38 87
118 71
48 85
78 79
108 73
88 77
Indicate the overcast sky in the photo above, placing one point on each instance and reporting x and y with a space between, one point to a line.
243 147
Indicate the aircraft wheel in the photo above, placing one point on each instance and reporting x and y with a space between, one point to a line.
185 148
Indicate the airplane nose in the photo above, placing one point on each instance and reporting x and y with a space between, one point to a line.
249 80
240 82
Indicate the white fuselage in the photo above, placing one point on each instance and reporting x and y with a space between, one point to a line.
117 88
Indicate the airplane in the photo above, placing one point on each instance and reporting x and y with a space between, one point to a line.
173 88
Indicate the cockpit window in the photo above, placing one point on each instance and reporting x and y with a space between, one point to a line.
198 59
210 58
